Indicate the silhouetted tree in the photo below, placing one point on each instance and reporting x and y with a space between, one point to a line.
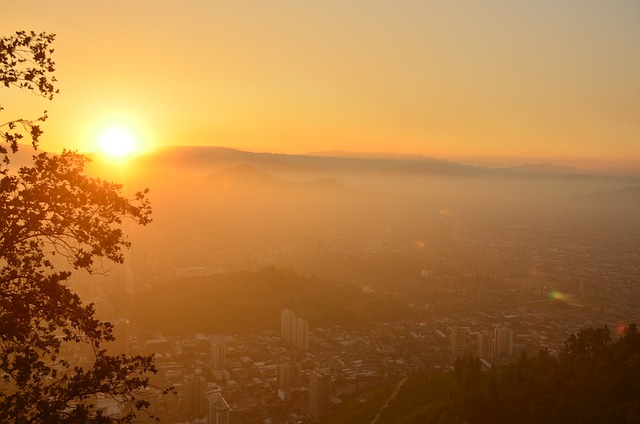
50 211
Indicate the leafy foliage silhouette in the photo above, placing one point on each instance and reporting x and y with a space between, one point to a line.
51 210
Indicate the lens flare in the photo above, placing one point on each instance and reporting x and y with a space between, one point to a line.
555 294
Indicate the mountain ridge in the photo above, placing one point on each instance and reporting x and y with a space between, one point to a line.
324 163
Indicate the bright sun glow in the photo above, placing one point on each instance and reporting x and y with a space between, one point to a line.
118 143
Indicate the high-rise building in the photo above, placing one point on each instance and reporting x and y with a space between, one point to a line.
458 338
301 336
217 357
502 342
218 411
288 325
195 397
286 376
485 345
294 330
319 393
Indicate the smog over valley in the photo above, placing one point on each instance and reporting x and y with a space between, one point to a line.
320 212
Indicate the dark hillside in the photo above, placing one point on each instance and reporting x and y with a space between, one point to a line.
246 300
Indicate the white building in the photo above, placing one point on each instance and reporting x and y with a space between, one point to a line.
301 336
288 325
218 411
458 340
502 342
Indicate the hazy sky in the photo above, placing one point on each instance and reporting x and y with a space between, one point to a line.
526 79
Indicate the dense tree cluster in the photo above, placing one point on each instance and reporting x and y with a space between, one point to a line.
55 220
593 380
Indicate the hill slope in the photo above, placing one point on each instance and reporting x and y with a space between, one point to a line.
253 300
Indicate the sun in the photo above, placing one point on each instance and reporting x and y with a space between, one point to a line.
118 143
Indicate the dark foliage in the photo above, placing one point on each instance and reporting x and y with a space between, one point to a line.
55 220
26 63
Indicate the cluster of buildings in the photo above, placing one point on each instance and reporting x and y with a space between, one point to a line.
204 402
294 330
224 379
300 375
487 345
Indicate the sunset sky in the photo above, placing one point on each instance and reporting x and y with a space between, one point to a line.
480 80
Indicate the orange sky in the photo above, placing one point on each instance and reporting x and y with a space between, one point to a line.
452 79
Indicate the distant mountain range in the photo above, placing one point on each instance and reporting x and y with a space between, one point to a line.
211 158
336 162
246 176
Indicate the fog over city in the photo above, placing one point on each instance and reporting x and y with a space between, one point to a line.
402 252
329 212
